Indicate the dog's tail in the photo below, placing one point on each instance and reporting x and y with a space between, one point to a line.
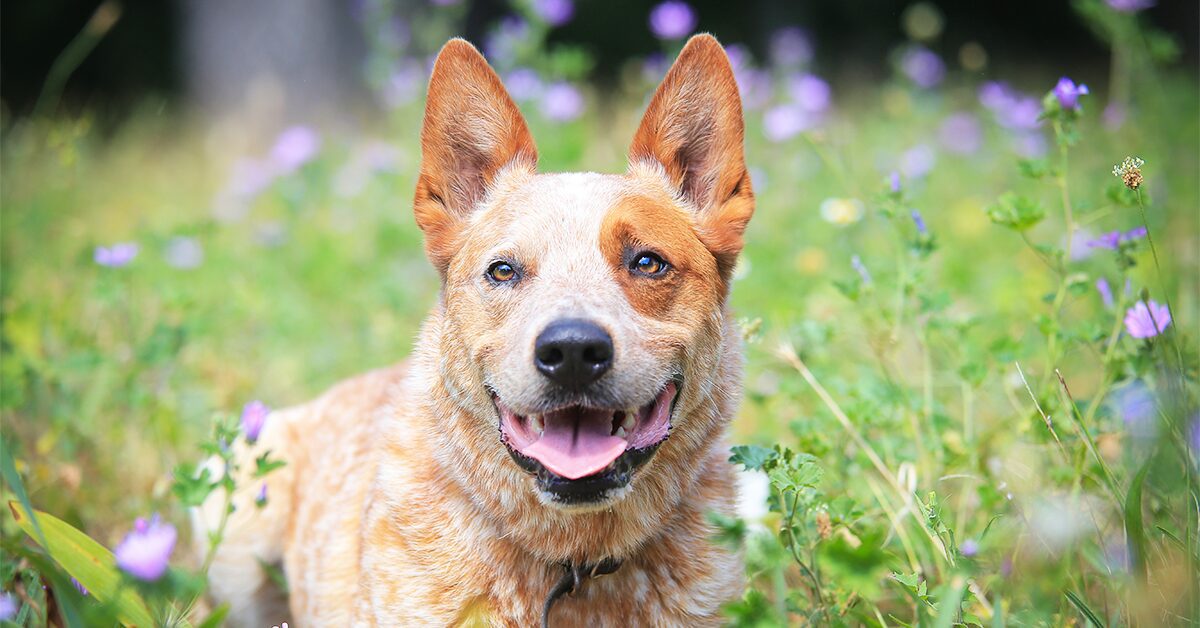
245 568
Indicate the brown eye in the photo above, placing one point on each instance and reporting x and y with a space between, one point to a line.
648 264
501 272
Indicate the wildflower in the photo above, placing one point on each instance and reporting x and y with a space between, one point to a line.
503 41
919 221
923 67
79 586
254 417
1105 291
1129 6
961 133
115 256
1012 109
8 606
554 12
146 549
969 548
917 161
784 122
1029 145
790 46
841 211
894 182
294 147
1129 172
404 84
523 84
1068 93
1114 116
672 19
1114 239
562 102
260 499
1142 321
444 3
811 92
1136 407
857 264
184 253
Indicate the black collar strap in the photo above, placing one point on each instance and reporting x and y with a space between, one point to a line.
572 579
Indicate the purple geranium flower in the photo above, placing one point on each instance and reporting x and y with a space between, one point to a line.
404 84
1147 322
923 67
254 417
961 133
919 221
1105 291
562 102
1130 6
295 147
502 43
784 122
857 263
117 255
1114 239
523 84
1136 406
184 253
9 605
810 91
1012 109
554 12
260 499
145 551
672 19
790 46
969 548
917 161
894 182
1068 93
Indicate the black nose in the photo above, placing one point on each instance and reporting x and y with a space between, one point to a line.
573 352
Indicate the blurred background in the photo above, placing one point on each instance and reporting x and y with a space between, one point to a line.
205 203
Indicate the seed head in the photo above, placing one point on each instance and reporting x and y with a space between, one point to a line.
1130 172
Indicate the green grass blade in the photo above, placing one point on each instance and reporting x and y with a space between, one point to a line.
87 561
1083 608
8 469
1135 529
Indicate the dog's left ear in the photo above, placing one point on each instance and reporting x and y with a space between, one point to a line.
472 131
693 128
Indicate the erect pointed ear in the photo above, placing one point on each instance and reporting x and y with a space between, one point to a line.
472 131
693 128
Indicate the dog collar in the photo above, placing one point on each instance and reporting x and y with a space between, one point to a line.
572 579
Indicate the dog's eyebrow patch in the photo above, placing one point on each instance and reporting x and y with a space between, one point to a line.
642 222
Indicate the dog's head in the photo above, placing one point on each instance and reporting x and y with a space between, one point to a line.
586 311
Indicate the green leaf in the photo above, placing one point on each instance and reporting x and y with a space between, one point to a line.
215 618
752 457
1135 530
87 561
190 487
1083 608
264 465
1015 212
950 603
1033 168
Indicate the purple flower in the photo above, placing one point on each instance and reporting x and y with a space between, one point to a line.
295 147
923 67
9 605
784 122
184 253
523 84
672 19
857 264
1068 93
917 161
1114 239
502 43
444 3
919 221
1147 322
1029 145
1130 6
254 417
1136 406
1114 116
404 85
654 67
115 256
79 586
810 91
754 84
790 46
1105 291
969 548
1195 435
554 12
894 182
146 549
1012 109
260 499
961 133
562 102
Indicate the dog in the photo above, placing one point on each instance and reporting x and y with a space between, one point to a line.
552 450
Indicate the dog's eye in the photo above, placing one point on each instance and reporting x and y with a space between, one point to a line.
648 264
501 272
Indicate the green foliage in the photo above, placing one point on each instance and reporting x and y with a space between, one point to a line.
1016 212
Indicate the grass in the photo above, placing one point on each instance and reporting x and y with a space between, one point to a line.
972 446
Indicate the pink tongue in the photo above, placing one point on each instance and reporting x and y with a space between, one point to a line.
576 443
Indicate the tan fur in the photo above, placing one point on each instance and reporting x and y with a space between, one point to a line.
400 504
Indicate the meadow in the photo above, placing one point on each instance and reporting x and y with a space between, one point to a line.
971 383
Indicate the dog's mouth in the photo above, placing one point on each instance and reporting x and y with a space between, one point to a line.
578 450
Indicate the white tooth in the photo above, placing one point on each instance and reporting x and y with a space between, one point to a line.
630 420
620 433
535 423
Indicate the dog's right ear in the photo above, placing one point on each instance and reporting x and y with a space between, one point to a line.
472 130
